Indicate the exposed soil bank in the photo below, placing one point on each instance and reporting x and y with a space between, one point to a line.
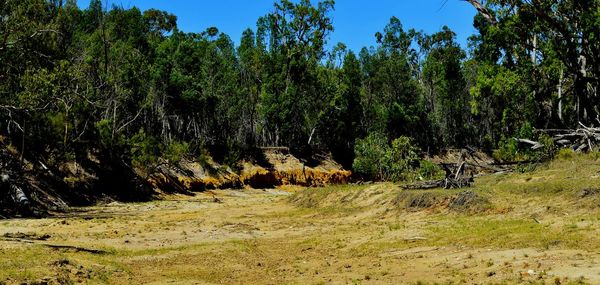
35 189
278 168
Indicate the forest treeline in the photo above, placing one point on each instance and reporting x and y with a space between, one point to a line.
133 87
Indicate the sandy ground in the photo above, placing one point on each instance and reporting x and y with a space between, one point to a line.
259 237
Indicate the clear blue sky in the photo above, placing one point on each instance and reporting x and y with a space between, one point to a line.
355 21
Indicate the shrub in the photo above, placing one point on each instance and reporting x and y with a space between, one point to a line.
377 159
145 150
401 159
148 152
175 151
233 156
565 154
429 170
508 150
369 156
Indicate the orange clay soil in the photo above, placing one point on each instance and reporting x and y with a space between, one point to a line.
282 169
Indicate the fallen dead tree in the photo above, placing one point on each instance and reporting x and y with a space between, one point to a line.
446 183
456 176
582 139
24 238
467 165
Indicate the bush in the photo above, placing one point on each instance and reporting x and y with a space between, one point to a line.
429 170
369 156
175 151
145 150
507 150
233 156
148 152
401 159
377 159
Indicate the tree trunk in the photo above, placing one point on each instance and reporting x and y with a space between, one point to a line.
560 98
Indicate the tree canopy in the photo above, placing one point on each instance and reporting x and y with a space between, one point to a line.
131 85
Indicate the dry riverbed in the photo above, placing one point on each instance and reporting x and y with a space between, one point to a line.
533 228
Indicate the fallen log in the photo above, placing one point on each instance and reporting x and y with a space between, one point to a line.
15 192
56 246
534 145
446 183
424 185
14 201
582 139
19 196
457 183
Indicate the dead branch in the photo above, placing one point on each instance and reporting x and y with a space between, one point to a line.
455 175
581 139
483 11
534 145
56 246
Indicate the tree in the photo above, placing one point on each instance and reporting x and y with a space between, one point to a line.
340 122
394 104
445 89
548 32
295 36
250 84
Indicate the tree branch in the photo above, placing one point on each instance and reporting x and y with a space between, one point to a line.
483 11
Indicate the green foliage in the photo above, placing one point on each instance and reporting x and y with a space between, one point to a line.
525 167
148 152
448 103
132 86
565 154
392 99
233 156
398 161
145 150
176 151
401 159
430 171
104 132
549 150
292 39
508 150
370 154
511 151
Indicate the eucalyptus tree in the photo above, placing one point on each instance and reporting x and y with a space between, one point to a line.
554 45
445 88
294 37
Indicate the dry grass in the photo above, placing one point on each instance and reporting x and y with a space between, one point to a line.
538 227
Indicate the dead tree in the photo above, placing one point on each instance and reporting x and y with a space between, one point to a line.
455 177
582 139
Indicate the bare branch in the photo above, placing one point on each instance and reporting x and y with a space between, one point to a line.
483 11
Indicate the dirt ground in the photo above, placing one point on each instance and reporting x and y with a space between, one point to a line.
257 237
370 234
